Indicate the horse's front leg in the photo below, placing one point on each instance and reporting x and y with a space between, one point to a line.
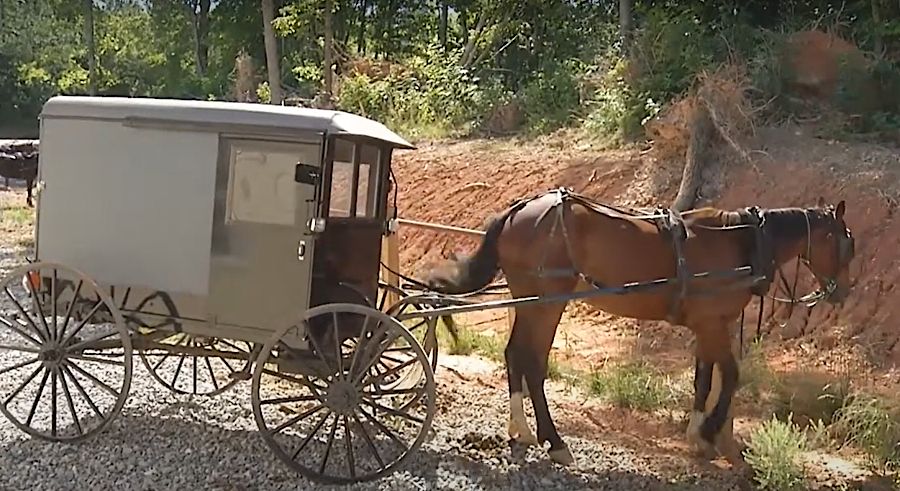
716 351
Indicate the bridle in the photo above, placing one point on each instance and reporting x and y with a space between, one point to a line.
844 249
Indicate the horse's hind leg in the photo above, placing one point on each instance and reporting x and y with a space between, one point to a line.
518 424
532 352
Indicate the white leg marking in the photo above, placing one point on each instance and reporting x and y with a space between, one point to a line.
518 425
693 429
525 391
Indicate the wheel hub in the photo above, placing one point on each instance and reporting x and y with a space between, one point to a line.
342 397
52 356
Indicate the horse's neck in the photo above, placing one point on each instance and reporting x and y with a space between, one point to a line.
790 230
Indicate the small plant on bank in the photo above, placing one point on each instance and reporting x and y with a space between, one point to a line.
774 451
866 422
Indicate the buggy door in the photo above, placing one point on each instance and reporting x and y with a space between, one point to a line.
350 247
261 247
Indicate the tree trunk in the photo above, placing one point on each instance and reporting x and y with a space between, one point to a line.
876 19
442 24
464 25
361 36
201 36
468 56
327 55
625 24
272 65
91 46
701 133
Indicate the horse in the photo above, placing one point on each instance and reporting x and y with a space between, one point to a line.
559 243
19 160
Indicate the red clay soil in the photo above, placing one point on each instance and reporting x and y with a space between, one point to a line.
462 183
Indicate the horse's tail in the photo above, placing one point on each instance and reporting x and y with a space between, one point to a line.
478 270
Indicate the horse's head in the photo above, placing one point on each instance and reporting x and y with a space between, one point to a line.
830 249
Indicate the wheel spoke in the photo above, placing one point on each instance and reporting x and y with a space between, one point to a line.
368 439
37 397
19 365
22 312
35 299
83 322
329 444
53 311
81 345
384 429
393 412
96 360
286 400
81 390
392 371
27 381
337 350
296 419
212 373
65 323
92 378
310 436
20 332
349 441
70 403
53 398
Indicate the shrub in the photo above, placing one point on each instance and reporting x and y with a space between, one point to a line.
774 452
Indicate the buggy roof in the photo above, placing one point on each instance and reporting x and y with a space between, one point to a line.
221 113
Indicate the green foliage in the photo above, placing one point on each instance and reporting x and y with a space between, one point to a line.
559 62
551 97
774 451
868 423
430 96
634 385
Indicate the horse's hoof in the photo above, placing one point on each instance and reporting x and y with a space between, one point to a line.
521 434
527 439
562 456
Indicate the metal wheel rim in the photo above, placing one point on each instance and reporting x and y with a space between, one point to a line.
395 328
63 400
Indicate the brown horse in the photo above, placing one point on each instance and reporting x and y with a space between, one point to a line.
19 160
558 243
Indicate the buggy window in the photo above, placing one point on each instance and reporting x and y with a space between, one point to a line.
354 180
261 185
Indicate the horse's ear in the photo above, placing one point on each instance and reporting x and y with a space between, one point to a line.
839 211
821 202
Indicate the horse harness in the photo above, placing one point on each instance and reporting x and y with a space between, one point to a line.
668 222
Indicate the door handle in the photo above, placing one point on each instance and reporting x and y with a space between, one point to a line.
301 250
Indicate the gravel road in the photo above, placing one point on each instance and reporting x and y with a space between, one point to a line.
166 441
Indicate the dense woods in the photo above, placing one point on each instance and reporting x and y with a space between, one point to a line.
429 67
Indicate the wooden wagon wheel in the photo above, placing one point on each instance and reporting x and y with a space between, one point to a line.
423 328
198 365
323 411
66 364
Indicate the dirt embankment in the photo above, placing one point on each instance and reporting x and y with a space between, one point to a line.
462 183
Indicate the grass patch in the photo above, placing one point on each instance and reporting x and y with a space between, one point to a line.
756 374
807 397
872 425
632 385
16 217
775 453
